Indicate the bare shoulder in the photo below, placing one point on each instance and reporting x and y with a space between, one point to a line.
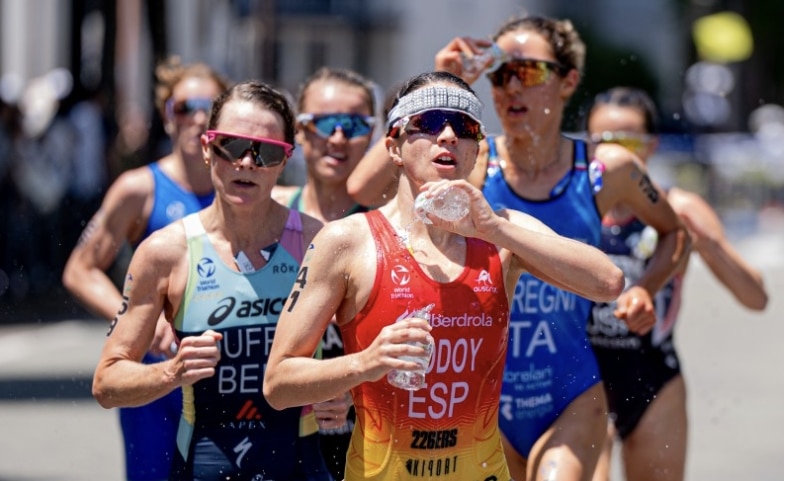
165 247
625 179
617 158
124 207
343 260
134 184
343 245
348 232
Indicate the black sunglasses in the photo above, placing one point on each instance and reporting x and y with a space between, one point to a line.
529 72
432 122
324 125
265 152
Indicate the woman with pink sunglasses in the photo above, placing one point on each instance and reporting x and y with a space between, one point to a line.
141 201
221 276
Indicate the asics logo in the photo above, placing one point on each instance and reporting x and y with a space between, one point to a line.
258 307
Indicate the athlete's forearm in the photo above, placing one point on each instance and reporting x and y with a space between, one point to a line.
97 293
127 383
299 381
741 279
566 263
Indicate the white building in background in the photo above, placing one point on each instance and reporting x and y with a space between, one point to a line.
388 41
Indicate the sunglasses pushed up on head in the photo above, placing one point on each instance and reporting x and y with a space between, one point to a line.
529 72
432 122
325 125
264 152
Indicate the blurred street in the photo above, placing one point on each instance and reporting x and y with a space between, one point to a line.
52 429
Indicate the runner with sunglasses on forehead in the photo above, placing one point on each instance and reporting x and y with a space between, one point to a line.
221 295
138 203
554 410
641 373
335 125
373 270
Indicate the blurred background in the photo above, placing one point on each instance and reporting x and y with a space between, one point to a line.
76 95
76 110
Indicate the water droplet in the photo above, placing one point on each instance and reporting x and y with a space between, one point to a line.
547 111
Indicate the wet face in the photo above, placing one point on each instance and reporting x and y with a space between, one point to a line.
331 152
436 144
188 112
625 126
531 95
240 180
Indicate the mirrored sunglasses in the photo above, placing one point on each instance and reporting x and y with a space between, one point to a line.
432 122
190 106
264 152
352 125
529 72
631 141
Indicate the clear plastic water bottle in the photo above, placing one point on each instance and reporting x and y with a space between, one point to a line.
452 204
475 64
414 380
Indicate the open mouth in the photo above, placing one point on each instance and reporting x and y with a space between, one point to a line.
336 157
243 183
446 160
517 109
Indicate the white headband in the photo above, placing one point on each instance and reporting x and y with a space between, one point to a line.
436 97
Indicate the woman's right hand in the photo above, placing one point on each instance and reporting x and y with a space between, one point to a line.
196 358
452 56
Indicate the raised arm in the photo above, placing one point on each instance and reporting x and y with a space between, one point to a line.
375 179
709 241
563 262
558 260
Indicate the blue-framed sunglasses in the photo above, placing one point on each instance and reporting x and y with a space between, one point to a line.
324 125
232 147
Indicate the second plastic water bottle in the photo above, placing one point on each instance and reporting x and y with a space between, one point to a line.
414 380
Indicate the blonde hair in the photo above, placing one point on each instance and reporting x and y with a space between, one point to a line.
171 72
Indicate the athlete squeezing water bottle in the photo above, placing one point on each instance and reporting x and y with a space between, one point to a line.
372 269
